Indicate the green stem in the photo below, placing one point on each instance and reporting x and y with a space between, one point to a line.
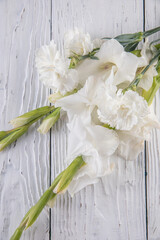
136 81
150 94
12 136
62 181
8 137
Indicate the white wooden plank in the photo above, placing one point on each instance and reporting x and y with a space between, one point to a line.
115 207
24 167
153 196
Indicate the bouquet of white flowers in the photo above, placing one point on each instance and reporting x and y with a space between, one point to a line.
106 88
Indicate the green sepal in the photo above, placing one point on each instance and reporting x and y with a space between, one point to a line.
137 52
49 121
30 116
69 174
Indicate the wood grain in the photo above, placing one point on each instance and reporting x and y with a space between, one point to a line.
24 167
152 9
115 207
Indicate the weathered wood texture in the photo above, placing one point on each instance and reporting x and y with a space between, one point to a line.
153 155
24 167
113 209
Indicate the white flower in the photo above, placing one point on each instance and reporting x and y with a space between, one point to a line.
131 143
129 114
97 43
96 144
147 54
121 111
111 56
75 41
53 70
147 79
84 100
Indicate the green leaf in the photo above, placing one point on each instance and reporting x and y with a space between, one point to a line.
131 41
94 58
150 32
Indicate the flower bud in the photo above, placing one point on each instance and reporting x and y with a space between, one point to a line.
30 116
12 136
49 121
69 174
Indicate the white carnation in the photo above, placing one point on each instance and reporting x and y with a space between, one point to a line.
76 41
53 69
120 111
131 143
123 111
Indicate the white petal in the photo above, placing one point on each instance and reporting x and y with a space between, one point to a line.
53 70
77 42
130 146
96 144
147 79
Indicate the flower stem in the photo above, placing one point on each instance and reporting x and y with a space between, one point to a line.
8 137
62 181
135 82
150 94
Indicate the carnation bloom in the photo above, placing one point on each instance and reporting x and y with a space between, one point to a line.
131 143
53 70
129 114
122 111
77 42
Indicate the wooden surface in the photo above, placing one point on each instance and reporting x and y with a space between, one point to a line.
122 206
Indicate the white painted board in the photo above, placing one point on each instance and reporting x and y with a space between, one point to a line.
113 209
